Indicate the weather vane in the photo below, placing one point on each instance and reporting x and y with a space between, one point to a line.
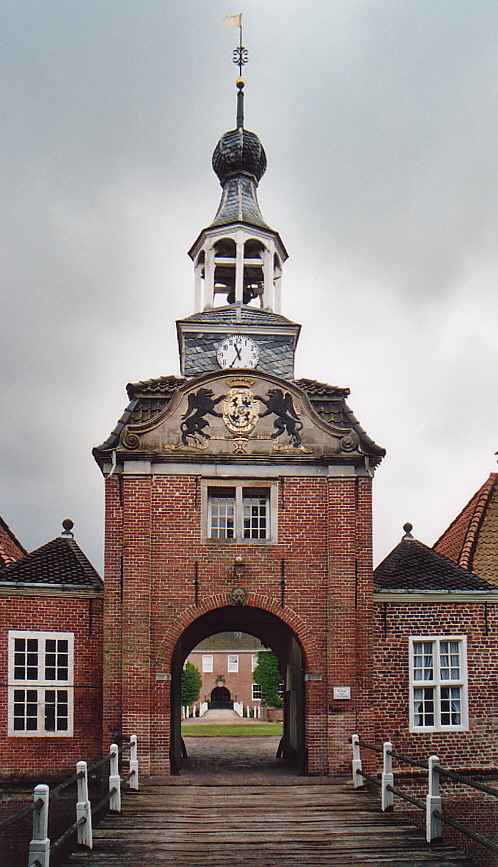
240 54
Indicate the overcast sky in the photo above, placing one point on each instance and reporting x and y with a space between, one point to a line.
379 120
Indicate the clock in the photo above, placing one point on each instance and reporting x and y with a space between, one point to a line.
237 350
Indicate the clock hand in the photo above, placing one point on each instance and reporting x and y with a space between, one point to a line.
237 356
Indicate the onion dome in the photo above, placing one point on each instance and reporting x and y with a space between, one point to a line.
239 152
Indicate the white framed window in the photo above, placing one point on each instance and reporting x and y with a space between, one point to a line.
438 683
233 663
254 661
241 512
41 677
256 692
207 662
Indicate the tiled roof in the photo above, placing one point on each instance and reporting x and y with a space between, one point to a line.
10 547
59 563
471 540
246 315
414 566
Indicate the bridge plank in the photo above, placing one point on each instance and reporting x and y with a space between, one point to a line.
281 826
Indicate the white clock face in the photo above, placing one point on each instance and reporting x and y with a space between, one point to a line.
237 350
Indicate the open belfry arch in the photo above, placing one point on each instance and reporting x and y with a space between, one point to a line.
239 498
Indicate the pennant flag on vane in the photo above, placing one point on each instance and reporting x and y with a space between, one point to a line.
234 20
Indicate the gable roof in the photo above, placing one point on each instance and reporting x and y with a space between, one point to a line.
411 565
471 540
59 563
10 547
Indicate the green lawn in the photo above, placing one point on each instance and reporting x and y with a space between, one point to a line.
235 730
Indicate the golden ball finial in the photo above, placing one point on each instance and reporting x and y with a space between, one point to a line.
240 82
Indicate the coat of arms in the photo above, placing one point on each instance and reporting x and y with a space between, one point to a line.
240 410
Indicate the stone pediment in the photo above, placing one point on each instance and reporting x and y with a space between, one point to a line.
246 413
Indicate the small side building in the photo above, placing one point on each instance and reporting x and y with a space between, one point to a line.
436 658
51 603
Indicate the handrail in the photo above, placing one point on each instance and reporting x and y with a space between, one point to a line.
40 848
432 805
489 790
16 817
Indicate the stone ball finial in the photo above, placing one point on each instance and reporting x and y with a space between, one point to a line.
67 525
408 530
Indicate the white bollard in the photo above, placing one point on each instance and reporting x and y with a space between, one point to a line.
433 825
357 778
134 763
39 848
115 780
83 808
387 797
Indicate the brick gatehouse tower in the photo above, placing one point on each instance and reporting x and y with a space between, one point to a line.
239 498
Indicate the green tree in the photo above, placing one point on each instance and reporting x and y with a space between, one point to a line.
267 674
191 684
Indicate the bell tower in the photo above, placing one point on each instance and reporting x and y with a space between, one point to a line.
238 262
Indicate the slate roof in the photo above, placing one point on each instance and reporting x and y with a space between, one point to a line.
59 563
414 566
471 540
245 316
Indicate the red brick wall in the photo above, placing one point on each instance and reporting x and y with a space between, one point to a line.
153 540
55 755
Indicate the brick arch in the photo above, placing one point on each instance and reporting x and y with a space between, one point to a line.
192 613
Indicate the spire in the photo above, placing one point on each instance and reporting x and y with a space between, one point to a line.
238 257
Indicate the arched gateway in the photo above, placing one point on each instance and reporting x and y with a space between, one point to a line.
273 632
239 498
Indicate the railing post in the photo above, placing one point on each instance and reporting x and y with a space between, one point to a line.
115 779
387 777
83 808
357 779
39 848
433 825
133 763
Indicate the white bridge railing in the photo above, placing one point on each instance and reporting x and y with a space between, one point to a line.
40 848
434 817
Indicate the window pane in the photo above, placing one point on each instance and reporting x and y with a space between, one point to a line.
26 659
256 691
233 663
207 662
423 667
56 710
222 514
25 710
56 659
255 514
423 706
450 706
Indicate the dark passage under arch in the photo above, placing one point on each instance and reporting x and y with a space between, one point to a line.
274 633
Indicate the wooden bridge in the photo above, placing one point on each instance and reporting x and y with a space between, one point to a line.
316 825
